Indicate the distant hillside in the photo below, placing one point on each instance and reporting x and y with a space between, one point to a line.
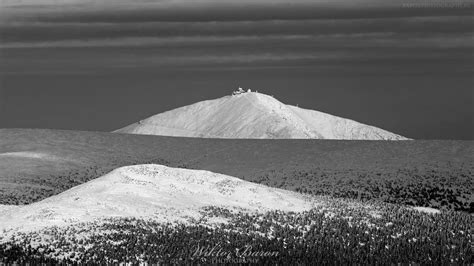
36 163
251 115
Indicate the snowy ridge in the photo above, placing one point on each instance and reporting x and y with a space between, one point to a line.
155 192
256 116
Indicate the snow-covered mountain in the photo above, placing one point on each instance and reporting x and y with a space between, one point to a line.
151 191
256 116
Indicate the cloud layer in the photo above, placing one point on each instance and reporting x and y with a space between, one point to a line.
387 63
342 43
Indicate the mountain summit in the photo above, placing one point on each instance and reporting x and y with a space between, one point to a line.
254 115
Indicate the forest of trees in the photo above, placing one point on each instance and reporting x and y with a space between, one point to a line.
448 189
342 234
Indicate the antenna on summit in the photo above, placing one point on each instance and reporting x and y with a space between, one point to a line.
239 91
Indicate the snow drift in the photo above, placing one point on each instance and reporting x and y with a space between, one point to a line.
256 116
155 192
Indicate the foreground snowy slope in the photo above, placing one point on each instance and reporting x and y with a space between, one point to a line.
153 214
256 116
157 192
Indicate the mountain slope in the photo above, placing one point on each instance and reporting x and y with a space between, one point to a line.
151 191
152 214
255 116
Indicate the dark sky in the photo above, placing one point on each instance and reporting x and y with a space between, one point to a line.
103 65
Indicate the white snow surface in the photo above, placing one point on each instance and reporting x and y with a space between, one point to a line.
154 192
254 115
427 210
